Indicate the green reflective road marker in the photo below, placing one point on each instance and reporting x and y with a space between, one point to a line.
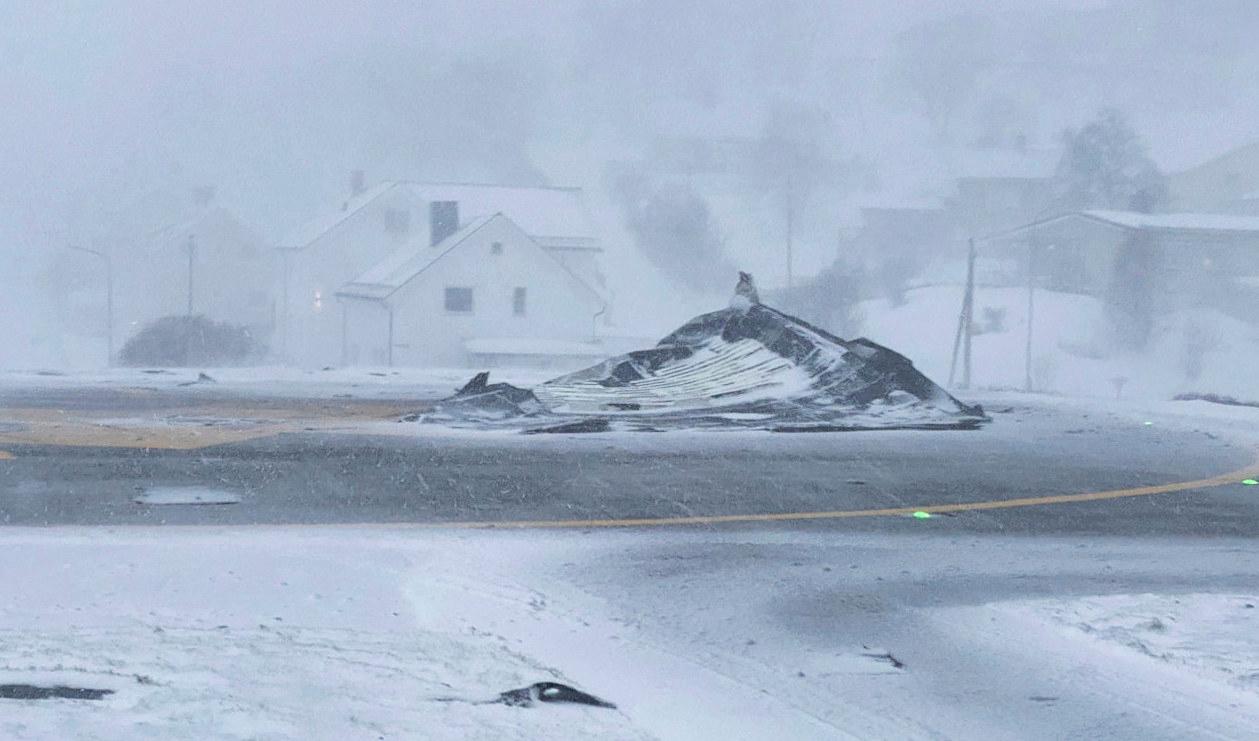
1250 482
1147 424
922 515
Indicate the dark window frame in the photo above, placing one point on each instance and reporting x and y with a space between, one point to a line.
454 307
520 301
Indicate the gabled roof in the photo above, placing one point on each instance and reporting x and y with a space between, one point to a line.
545 213
1180 223
386 277
201 218
317 227
1219 179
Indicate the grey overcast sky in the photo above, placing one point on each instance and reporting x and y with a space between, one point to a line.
273 102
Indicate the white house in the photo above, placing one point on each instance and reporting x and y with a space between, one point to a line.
388 221
486 294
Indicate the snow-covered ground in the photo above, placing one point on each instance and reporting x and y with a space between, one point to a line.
1069 345
358 632
254 635
281 381
1209 636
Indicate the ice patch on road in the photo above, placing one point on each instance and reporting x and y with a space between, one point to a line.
161 495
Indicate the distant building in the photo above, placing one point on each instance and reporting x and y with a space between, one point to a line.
354 261
1229 182
169 256
487 293
1204 260
940 203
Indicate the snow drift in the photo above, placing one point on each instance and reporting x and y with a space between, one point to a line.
747 366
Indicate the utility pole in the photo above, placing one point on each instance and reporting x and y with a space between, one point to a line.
970 314
965 321
284 306
109 300
192 256
1031 305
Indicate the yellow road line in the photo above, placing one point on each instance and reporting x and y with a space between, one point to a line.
181 428
53 428
5 455
1138 491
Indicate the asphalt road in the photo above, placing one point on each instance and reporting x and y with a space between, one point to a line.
684 624
297 464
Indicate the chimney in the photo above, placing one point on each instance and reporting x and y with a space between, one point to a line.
358 182
443 220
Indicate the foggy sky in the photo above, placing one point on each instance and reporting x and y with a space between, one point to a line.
273 103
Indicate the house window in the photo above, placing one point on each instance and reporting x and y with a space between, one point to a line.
459 299
496 248
518 301
443 220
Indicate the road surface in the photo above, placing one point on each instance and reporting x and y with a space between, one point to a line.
728 583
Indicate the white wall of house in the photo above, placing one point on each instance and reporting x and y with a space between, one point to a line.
310 333
325 256
426 332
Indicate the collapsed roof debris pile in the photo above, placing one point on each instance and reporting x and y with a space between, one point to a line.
745 367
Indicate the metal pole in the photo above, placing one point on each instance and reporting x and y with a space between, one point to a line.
284 308
344 320
957 340
192 251
109 310
1031 305
969 311
389 353
109 300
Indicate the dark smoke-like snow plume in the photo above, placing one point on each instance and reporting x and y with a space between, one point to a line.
673 227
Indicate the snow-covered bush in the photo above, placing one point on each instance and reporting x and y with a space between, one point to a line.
190 340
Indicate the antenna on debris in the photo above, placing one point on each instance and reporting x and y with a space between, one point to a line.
746 289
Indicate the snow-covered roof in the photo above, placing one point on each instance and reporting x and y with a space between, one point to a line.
317 227
409 261
1178 222
405 263
1196 223
545 213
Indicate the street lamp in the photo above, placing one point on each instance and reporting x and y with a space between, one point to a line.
192 258
109 299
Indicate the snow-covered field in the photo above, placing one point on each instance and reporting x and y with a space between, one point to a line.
1069 345
253 635
1209 636
359 632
